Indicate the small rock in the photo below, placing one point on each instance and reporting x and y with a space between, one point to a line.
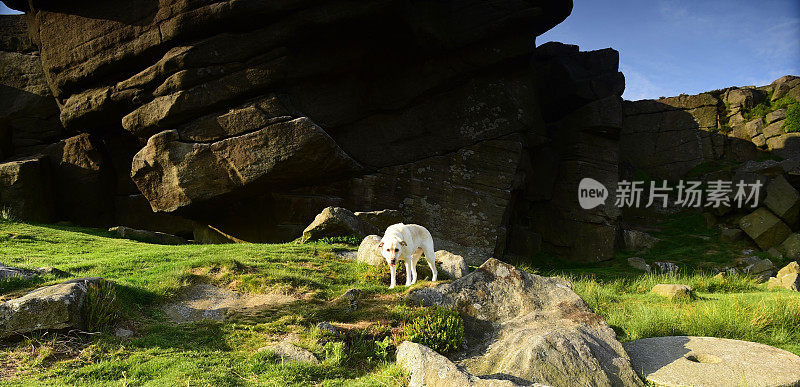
12 272
290 352
327 327
123 333
639 263
731 234
637 240
452 265
53 271
348 255
368 251
666 267
352 297
760 266
673 291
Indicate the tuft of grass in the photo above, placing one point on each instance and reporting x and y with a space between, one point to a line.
101 308
438 328
352 240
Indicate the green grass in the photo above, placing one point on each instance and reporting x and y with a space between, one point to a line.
225 353
204 353
734 307
792 123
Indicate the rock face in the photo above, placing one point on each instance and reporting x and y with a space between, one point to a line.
445 111
51 307
28 113
380 219
25 188
666 138
530 329
711 361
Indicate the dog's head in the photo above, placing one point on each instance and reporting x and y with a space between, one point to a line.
390 250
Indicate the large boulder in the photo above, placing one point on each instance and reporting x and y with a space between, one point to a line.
148 236
173 174
25 191
426 367
787 278
790 247
452 265
783 200
336 222
530 329
52 307
82 183
766 229
368 251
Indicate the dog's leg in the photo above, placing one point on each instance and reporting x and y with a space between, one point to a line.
414 260
431 258
408 270
394 276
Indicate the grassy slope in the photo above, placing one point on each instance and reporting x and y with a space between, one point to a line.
224 353
735 307
199 353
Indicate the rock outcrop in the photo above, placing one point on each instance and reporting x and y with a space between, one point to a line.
667 137
446 112
530 329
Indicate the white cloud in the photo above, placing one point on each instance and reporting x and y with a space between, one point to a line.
638 86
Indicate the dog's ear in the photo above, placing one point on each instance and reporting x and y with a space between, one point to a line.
403 243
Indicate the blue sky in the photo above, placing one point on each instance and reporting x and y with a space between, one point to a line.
669 47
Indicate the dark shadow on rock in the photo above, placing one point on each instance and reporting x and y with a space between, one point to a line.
132 12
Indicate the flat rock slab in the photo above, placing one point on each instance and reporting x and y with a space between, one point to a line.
204 301
711 361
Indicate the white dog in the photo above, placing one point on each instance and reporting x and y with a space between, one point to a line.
407 242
